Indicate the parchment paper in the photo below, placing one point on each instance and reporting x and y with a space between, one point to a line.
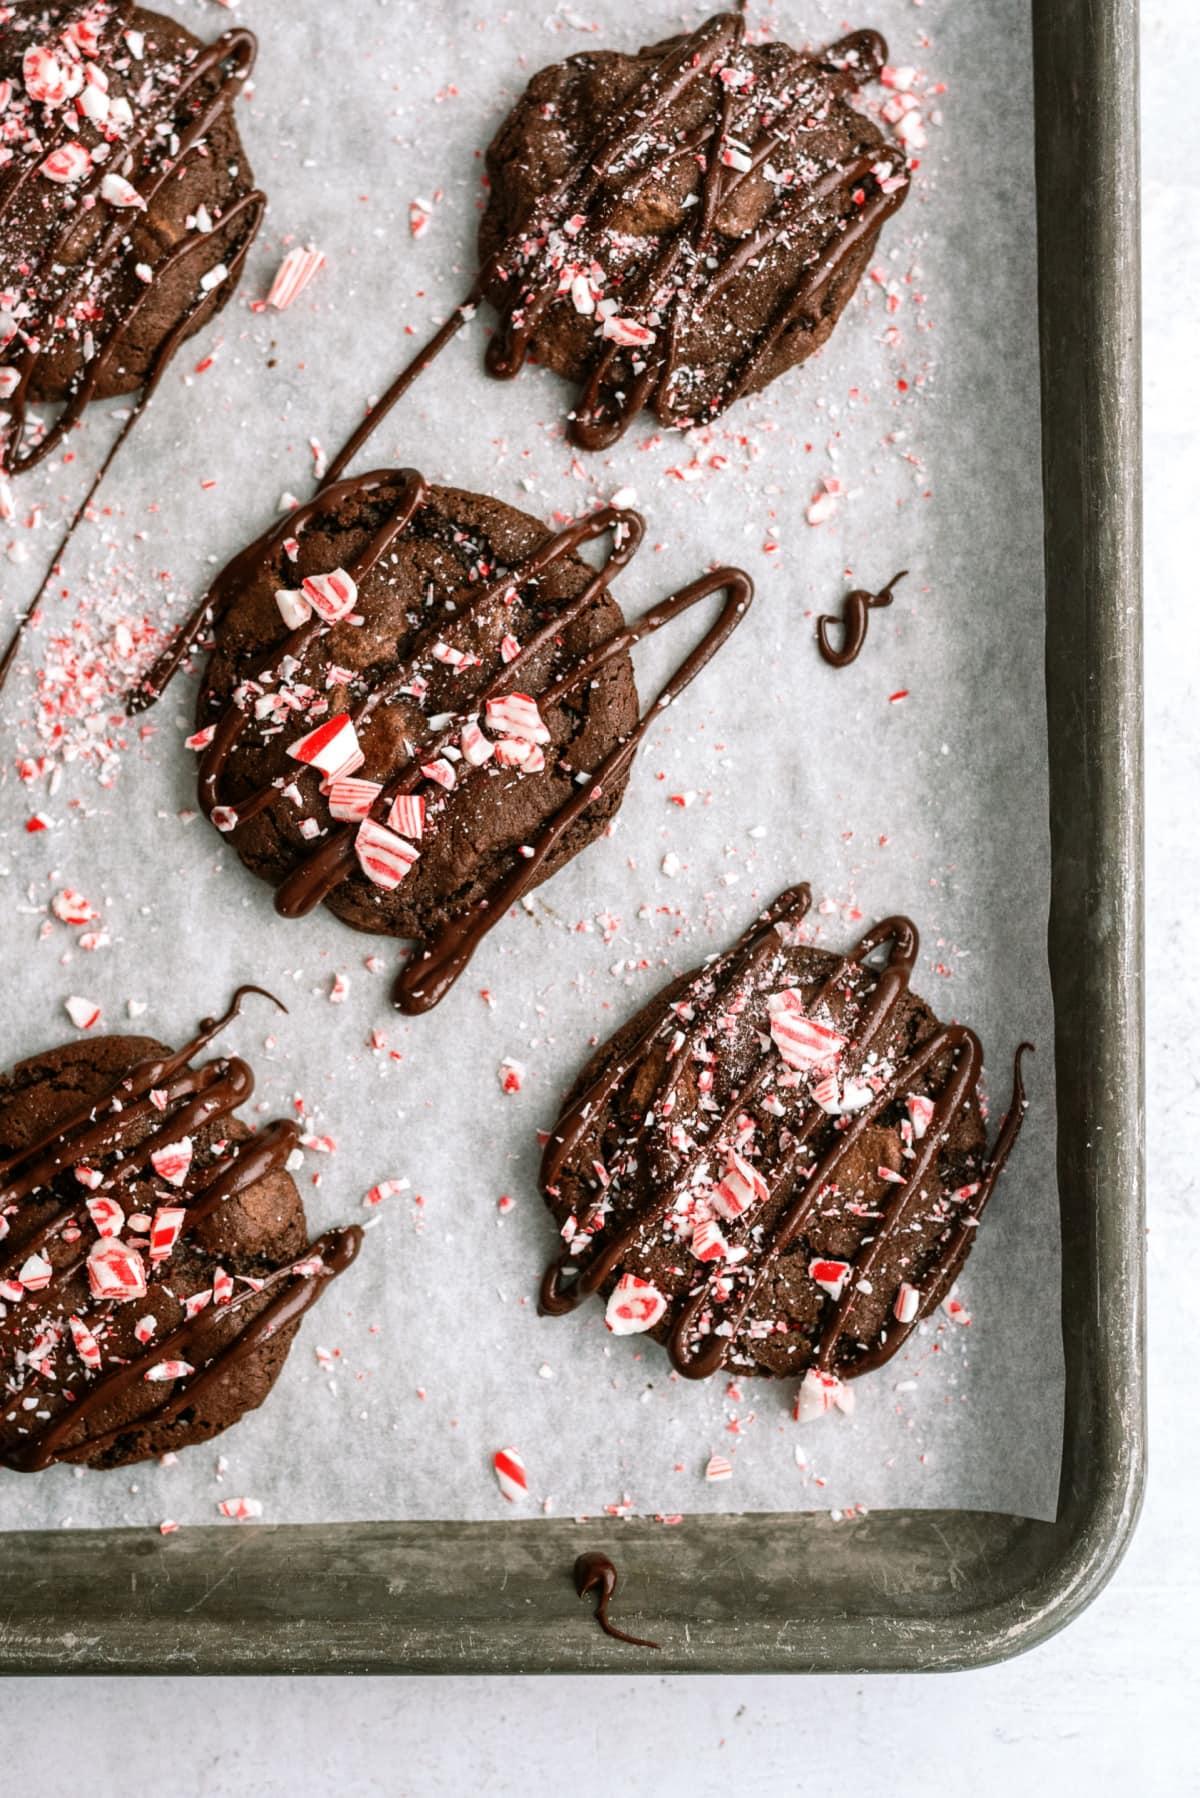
429 1355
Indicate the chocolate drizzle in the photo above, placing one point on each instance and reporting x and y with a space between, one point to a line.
856 614
60 287
437 963
692 265
595 1573
108 1136
801 1149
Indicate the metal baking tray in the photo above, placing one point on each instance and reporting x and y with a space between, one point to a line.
902 1590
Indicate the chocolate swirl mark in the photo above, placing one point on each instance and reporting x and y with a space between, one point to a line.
689 272
856 614
436 964
108 1129
595 1573
696 1346
238 225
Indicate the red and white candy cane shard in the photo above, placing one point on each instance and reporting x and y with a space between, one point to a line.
200 739
172 1161
383 857
477 748
164 1231
36 1274
350 799
70 907
222 1287
510 1474
830 1276
330 747
386 1189
224 817
86 1346
454 658
821 1392
44 77
803 1043
708 1241
908 1303
331 596
91 1177
70 162
718 1468
920 1110
440 773
951 1305
107 1216
169 1370
119 192
199 1301
294 609
145 1327
293 275
739 1187
510 648
83 1013
407 815
627 332
115 1271
242 1510
634 1305
516 715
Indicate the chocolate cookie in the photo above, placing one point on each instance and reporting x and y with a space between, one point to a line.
421 703
126 203
154 1261
677 228
779 1165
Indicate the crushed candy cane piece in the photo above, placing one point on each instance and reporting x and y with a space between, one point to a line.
386 1189
920 1111
86 1346
115 1271
172 1161
739 1187
830 1276
634 1305
803 1043
169 1370
510 1474
330 747
331 596
821 1392
83 1013
36 1274
119 192
107 1216
351 799
908 1303
71 907
477 748
70 162
511 1075
293 275
384 857
516 715
718 1468
407 815
708 1241
242 1510
164 1231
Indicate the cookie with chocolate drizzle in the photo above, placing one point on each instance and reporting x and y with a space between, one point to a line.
127 209
779 1165
126 204
677 228
421 704
154 1260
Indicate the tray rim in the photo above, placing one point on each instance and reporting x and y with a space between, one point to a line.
981 1586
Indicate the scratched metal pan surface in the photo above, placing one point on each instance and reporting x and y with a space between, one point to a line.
777 1593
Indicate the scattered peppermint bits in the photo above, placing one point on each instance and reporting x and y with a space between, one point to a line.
511 1075
820 1393
718 1468
384 857
386 1189
241 1510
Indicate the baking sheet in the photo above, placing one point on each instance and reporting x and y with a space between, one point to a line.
923 413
